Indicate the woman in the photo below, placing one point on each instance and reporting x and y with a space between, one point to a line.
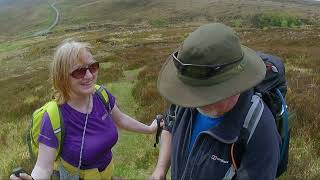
90 131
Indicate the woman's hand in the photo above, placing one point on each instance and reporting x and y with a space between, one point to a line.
23 176
153 127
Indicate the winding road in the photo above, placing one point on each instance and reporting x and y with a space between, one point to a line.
46 31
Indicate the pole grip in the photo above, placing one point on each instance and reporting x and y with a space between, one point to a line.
159 117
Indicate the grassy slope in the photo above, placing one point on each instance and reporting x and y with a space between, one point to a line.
134 49
298 48
23 17
133 151
130 47
173 12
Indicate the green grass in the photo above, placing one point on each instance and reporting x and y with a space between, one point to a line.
106 65
13 45
134 155
302 156
13 135
133 151
159 23
124 99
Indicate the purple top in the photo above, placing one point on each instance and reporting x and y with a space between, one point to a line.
101 135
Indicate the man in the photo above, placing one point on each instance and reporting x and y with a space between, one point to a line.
210 81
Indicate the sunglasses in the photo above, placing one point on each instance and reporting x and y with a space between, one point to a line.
200 71
81 72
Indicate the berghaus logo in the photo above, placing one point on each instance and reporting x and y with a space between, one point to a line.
216 158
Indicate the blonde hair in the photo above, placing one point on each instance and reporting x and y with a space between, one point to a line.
67 54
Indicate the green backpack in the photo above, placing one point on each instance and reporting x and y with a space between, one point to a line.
56 121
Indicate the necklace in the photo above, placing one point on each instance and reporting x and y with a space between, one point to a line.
64 174
84 132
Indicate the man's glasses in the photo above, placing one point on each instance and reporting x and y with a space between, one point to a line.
81 72
200 71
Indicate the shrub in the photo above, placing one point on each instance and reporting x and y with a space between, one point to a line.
262 20
237 22
159 23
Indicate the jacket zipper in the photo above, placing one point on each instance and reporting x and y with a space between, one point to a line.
190 131
196 142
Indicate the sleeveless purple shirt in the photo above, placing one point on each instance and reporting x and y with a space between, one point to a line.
101 135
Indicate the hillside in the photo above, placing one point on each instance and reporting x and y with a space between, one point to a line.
177 11
27 16
132 39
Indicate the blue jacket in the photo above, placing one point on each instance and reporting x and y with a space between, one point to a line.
210 156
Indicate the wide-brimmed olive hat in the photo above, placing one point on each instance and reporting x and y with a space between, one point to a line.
210 66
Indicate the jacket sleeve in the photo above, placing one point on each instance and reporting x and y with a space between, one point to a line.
262 155
170 118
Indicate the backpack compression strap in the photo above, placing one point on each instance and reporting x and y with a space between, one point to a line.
250 123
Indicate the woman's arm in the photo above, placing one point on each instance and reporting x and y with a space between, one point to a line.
126 122
44 165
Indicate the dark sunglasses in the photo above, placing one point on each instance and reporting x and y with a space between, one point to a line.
81 72
200 71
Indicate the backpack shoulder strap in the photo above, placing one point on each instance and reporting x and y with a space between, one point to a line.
253 116
250 123
56 122
171 115
172 111
101 91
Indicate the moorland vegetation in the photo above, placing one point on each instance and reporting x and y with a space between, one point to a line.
132 39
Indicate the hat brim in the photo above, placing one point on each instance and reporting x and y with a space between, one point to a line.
177 92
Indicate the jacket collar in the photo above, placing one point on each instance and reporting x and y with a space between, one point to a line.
228 130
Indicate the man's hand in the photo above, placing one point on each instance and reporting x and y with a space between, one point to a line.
164 157
158 174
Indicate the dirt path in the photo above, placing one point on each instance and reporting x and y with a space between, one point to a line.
43 32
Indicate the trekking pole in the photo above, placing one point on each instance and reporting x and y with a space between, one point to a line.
17 171
159 117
